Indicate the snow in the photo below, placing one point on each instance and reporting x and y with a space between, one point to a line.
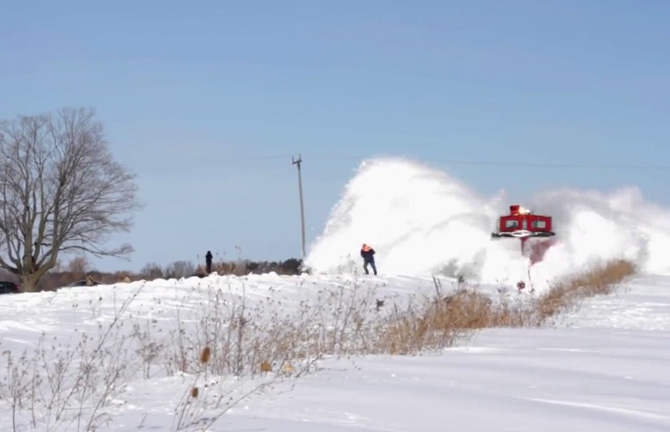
508 381
601 367
604 368
422 220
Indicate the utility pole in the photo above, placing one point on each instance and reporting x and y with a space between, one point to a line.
297 163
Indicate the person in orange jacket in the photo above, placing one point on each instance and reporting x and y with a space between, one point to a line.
368 255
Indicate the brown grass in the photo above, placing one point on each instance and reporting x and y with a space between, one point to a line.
600 280
229 335
350 319
466 308
444 319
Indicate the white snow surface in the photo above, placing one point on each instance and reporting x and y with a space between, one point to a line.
604 368
421 220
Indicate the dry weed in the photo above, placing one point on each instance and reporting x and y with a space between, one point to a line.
599 280
71 384
468 309
264 339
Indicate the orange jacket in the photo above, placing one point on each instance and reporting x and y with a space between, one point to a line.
367 253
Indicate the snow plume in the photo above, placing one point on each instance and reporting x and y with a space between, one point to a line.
596 226
421 221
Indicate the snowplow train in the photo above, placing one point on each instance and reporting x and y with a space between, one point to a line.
523 224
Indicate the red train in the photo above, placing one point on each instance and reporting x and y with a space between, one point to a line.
523 224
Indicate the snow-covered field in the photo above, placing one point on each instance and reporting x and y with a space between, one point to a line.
129 356
603 369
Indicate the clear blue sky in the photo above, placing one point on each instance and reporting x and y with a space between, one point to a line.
208 100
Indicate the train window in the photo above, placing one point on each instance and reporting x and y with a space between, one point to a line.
511 224
539 224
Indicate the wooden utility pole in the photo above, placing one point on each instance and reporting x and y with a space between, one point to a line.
297 163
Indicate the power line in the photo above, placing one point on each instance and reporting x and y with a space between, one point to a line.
558 165
507 163
520 164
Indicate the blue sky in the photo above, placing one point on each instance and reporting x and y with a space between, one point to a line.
208 100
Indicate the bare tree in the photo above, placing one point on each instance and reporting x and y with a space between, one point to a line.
152 270
180 269
78 266
60 192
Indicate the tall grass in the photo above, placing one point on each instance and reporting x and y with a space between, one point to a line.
233 337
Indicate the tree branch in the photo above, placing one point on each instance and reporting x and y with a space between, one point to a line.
60 190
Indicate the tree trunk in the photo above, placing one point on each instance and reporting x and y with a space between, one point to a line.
28 283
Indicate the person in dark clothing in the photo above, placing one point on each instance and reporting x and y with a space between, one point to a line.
368 255
208 261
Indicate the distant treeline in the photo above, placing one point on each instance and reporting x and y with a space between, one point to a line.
77 270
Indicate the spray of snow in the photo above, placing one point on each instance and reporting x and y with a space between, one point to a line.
422 221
